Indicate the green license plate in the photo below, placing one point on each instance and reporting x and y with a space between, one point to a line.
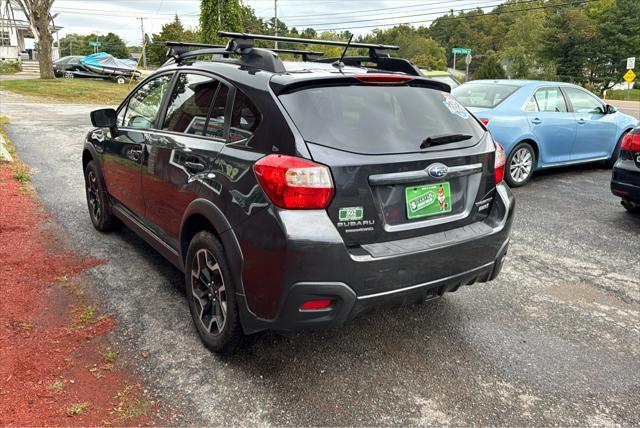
428 200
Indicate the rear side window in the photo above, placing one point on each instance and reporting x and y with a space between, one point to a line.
377 119
189 103
485 95
215 123
245 118
548 100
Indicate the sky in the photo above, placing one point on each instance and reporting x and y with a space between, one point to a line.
358 16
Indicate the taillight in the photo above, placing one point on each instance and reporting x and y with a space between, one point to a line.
484 120
294 183
316 305
383 78
499 163
631 142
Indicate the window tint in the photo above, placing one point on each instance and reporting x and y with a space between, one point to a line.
245 118
550 100
583 102
215 123
486 95
378 119
189 103
144 105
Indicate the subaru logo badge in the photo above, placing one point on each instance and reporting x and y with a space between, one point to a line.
437 170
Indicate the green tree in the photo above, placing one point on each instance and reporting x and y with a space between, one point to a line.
74 44
490 68
219 15
113 45
173 31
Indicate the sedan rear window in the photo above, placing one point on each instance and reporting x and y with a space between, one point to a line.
485 95
378 119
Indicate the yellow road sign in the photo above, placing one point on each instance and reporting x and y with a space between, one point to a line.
629 76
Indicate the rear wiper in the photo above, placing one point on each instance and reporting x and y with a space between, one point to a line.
443 139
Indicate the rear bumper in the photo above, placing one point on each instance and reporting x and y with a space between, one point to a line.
625 180
357 281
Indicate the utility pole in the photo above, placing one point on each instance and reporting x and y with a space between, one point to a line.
275 6
143 51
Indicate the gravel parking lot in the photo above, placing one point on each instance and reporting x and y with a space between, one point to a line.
555 340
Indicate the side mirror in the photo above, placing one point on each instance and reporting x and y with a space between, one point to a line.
104 118
610 109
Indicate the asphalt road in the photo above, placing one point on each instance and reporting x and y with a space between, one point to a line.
555 340
631 108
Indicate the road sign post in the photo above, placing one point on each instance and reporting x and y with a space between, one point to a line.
467 61
629 77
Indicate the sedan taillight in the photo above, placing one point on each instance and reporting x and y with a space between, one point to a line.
294 183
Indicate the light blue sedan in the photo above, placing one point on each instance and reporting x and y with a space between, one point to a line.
545 124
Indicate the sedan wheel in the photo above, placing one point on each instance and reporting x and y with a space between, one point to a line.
68 75
520 165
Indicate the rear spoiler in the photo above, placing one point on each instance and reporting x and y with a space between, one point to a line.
280 88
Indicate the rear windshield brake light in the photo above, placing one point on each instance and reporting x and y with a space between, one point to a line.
383 78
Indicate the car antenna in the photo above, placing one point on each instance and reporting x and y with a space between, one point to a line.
339 64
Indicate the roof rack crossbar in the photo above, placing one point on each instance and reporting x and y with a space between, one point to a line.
249 36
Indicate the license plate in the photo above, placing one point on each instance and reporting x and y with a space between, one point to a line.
428 200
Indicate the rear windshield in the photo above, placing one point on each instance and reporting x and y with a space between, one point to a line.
378 119
486 95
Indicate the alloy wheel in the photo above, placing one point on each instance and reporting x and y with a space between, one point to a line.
92 196
208 292
521 165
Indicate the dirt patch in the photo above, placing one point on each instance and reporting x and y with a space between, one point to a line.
57 366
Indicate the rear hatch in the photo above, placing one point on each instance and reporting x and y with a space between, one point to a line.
406 159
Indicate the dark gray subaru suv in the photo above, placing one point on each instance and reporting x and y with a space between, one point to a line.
299 194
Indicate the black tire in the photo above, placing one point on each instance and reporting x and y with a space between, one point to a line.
635 209
211 294
521 176
97 201
121 80
616 152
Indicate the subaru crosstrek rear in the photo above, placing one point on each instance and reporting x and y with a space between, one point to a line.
300 195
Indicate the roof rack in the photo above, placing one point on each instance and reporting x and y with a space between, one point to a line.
266 59
374 49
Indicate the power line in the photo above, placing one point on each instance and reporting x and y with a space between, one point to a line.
574 3
413 15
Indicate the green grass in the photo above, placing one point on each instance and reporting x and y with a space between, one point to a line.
9 67
87 315
77 409
76 91
109 357
621 94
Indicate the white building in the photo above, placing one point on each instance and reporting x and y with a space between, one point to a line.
14 29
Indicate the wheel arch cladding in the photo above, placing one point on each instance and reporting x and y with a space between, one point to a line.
202 214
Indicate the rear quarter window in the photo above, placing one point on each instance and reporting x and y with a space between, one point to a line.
377 119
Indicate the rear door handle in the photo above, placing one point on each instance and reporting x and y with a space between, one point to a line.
194 166
536 121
